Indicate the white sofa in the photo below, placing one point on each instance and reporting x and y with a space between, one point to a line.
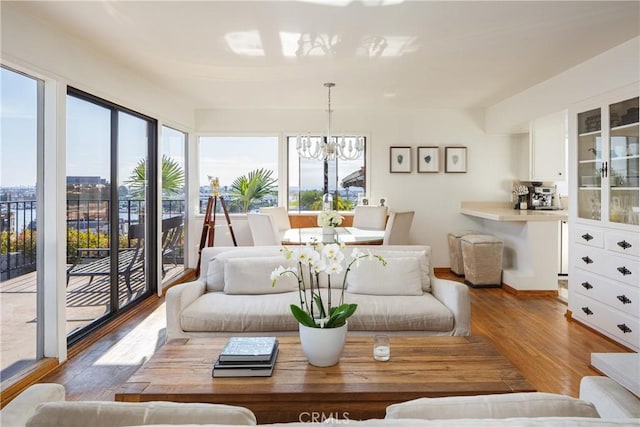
234 295
43 405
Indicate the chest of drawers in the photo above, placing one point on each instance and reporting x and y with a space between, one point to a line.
604 284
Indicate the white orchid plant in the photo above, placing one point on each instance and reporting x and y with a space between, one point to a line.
329 219
318 258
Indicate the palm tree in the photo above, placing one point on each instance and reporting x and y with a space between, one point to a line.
252 187
172 178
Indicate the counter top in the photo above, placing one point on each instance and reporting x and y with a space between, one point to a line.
499 211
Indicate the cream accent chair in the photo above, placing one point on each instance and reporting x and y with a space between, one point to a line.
398 227
263 230
370 217
280 217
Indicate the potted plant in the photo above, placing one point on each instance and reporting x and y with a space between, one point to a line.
322 325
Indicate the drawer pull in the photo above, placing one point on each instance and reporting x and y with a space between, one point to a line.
587 236
624 244
623 270
624 328
587 311
587 285
623 299
588 260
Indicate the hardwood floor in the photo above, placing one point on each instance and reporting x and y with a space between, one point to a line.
533 333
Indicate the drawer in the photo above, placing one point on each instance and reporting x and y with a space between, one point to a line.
626 270
623 242
615 295
590 259
588 236
613 266
617 325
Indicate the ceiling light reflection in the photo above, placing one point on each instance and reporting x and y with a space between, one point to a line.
308 44
245 43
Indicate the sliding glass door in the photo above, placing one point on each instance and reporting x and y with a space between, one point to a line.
21 286
110 210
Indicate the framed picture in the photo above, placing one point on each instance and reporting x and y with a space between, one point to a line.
363 200
400 159
383 201
428 159
455 159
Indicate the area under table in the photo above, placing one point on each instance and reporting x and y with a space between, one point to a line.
358 387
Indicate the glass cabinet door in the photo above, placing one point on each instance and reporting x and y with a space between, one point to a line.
590 164
624 162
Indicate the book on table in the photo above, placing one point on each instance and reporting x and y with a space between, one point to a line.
249 349
245 368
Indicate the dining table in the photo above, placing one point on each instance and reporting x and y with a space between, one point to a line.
346 235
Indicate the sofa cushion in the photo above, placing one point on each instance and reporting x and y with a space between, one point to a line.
220 312
253 276
400 276
97 414
422 255
510 405
270 312
215 271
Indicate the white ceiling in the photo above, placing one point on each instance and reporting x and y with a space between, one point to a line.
412 54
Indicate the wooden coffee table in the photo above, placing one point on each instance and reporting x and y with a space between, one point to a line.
356 388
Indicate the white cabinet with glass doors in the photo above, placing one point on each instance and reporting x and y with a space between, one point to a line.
604 289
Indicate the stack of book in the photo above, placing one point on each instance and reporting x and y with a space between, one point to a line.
247 357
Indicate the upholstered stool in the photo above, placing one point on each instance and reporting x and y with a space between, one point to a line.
482 259
455 250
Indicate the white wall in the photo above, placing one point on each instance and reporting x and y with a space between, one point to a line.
492 160
608 71
34 44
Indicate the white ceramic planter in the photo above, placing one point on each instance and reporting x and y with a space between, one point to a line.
322 346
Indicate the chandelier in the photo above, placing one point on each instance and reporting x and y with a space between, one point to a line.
328 147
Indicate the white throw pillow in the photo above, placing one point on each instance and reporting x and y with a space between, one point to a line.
215 271
509 405
252 276
401 276
425 267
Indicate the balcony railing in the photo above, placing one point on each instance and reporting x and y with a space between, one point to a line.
88 226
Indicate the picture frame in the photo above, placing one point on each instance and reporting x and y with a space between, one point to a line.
455 159
428 159
383 201
363 200
400 159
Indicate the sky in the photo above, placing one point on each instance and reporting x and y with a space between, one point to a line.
18 103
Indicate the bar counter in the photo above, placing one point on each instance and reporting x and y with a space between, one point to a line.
531 243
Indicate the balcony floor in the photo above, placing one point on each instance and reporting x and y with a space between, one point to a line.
85 303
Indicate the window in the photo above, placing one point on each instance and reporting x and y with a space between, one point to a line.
173 201
246 168
309 180
21 259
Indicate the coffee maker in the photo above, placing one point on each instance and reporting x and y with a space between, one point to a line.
541 197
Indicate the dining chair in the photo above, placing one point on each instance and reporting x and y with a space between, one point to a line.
263 229
280 217
370 217
398 227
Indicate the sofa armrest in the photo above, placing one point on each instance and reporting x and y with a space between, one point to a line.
177 299
610 398
455 296
113 414
22 407
493 406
